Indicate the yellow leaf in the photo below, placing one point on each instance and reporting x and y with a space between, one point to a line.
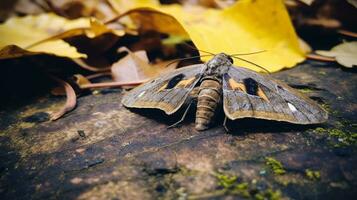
247 26
121 5
44 33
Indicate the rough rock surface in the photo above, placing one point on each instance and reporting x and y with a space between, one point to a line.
102 150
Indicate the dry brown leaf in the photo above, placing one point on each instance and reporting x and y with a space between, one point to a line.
135 67
353 2
345 54
308 2
79 8
13 51
71 100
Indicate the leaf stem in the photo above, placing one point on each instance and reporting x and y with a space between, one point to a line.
320 58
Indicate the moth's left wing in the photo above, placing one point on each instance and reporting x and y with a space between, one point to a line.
249 94
167 92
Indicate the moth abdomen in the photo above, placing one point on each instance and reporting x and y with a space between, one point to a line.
208 98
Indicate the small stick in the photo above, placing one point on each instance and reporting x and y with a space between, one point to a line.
96 75
320 58
347 33
110 84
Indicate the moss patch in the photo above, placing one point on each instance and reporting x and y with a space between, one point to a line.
338 138
312 175
232 185
275 165
268 194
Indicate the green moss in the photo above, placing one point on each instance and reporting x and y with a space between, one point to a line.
227 182
343 138
320 130
231 185
339 137
275 165
312 175
268 194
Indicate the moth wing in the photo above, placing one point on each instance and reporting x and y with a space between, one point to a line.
249 94
167 92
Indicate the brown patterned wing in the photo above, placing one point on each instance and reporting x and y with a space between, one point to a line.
249 94
167 92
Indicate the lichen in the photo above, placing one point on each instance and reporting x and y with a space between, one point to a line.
275 165
312 174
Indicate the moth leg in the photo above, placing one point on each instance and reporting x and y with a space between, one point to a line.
182 118
225 124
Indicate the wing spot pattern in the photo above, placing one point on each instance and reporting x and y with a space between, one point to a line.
292 107
141 94
174 81
251 86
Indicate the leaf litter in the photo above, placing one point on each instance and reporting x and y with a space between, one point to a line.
91 36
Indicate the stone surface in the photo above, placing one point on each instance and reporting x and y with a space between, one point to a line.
102 150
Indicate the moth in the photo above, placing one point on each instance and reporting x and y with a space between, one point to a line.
243 93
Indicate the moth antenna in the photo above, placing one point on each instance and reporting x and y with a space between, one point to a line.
243 54
180 59
194 48
247 61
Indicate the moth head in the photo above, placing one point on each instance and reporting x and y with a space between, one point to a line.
219 64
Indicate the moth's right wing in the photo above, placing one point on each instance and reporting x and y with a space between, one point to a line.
249 94
167 92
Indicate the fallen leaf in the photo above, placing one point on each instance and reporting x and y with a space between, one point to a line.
174 39
81 80
122 6
25 31
71 100
44 34
135 67
324 22
58 91
78 8
345 54
247 26
304 46
353 2
308 2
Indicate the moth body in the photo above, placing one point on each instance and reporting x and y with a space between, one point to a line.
208 99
